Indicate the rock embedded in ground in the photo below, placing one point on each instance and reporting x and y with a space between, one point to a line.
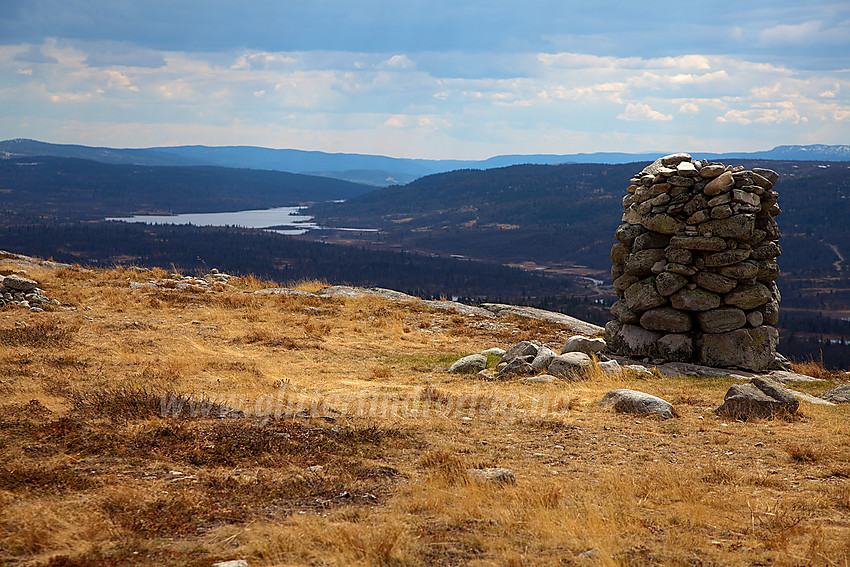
632 401
494 475
469 364
761 398
570 365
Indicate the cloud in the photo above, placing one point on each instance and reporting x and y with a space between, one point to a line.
791 33
689 108
110 54
399 62
34 54
641 111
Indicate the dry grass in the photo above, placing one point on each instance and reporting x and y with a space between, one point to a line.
178 427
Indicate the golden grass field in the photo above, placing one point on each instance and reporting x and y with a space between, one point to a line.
92 474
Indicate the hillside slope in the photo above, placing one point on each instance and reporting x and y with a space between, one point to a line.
149 420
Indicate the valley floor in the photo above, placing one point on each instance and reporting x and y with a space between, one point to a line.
188 424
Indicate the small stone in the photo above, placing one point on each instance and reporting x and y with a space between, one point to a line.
665 224
625 315
755 318
679 255
698 243
680 181
742 271
495 475
626 233
770 175
673 160
711 171
748 297
695 300
723 182
726 258
714 282
642 296
668 283
686 169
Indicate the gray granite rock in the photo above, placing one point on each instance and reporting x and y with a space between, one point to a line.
469 364
640 403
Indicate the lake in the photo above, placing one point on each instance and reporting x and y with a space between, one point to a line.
282 220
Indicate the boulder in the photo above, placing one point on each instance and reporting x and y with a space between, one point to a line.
760 398
469 364
632 401
570 365
519 366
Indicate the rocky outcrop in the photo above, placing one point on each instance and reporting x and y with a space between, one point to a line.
695 264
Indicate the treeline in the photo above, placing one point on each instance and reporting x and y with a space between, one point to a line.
75 189
277 257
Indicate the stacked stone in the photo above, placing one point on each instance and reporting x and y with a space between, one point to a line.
695 264
16 290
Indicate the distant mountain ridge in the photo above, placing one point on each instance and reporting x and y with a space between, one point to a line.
375 170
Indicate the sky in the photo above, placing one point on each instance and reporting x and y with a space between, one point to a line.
465 79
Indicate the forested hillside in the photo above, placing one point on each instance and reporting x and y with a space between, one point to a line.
74 189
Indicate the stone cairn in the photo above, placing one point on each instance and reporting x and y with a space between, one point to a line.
695 264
